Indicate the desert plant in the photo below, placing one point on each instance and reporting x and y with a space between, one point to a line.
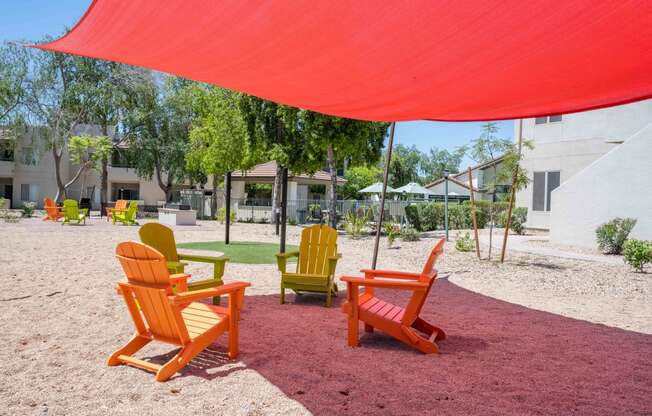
612 235
637 253
292 221
221 216
354 223
392 231
409 234
28 209
464 243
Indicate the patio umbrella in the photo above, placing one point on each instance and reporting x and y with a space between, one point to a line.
422 59
376 188
414 189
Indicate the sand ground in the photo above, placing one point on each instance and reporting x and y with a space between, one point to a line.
62 316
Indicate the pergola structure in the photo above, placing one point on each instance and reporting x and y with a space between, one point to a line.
389 61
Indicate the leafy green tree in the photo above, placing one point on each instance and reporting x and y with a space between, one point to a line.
487 147
359 177
405 166
14 66
341 139
157 126
87 152
437 161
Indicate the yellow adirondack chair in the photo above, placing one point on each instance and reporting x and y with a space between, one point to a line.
317 259
176 319
162 239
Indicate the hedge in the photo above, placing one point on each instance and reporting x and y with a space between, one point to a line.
429 216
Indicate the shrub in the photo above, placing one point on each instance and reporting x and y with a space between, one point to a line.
292 221
413 216
28 209
221 216
519 217
409 234
612 235
354 223
637 253
392 231
464 243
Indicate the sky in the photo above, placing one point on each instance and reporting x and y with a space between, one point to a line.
35 19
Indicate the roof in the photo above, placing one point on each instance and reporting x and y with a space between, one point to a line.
266 172
484 165
420 59
454 180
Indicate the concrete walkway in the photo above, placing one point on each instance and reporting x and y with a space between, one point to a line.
520 243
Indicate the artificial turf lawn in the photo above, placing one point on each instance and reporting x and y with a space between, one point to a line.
248 252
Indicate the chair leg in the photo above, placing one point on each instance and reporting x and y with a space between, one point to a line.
368 328
329 294
282 294
135 343
234 334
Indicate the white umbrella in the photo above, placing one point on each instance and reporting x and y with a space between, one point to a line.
375 188
413 188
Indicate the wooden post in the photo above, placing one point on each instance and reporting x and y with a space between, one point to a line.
227 220
388 159
473 217
284 208
513 192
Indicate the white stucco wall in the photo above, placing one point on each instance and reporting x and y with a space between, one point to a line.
573 144
438 189
615 185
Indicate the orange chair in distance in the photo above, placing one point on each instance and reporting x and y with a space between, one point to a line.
173 319
403 324
120 205
52 211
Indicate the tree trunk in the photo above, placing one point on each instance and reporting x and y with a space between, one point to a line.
332 208
104 175
61 189
276 192
214 199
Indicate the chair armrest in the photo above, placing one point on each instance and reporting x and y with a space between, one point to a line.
203 259
282 258
180 280
388 284
393 274
332 263
187 297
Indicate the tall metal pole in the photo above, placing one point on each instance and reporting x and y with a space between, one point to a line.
381 214
446 203
284 207
227 220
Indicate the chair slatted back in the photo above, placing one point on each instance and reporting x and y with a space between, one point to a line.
48 202
148 281
428 275
161 238
70 209
120 204
130 215
318 242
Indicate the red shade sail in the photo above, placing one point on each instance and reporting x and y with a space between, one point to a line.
388 60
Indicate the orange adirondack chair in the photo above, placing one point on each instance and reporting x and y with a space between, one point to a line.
174 319
120 205
401 323
52 211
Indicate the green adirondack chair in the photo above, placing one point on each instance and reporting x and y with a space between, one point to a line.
317 258
72 213
128 216
162 238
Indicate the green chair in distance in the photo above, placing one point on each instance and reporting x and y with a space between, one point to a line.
162 239
72 213
127 216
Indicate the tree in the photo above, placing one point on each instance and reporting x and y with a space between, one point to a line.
486 148
219 140
57 100
157 124
359 177
14 65
405 166
342 139
439 160
88 152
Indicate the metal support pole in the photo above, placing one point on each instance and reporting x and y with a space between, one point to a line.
284 208
381 214
227 220
446 204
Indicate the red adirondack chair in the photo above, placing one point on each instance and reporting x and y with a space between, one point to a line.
52 211
401 323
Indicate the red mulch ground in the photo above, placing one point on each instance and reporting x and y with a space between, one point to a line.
499 359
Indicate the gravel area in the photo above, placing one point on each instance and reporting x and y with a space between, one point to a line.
62 317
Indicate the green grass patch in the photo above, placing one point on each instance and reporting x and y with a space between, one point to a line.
247 252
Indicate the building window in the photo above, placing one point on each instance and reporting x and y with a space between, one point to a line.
542 186
28 192
29 156
128 191
545 120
